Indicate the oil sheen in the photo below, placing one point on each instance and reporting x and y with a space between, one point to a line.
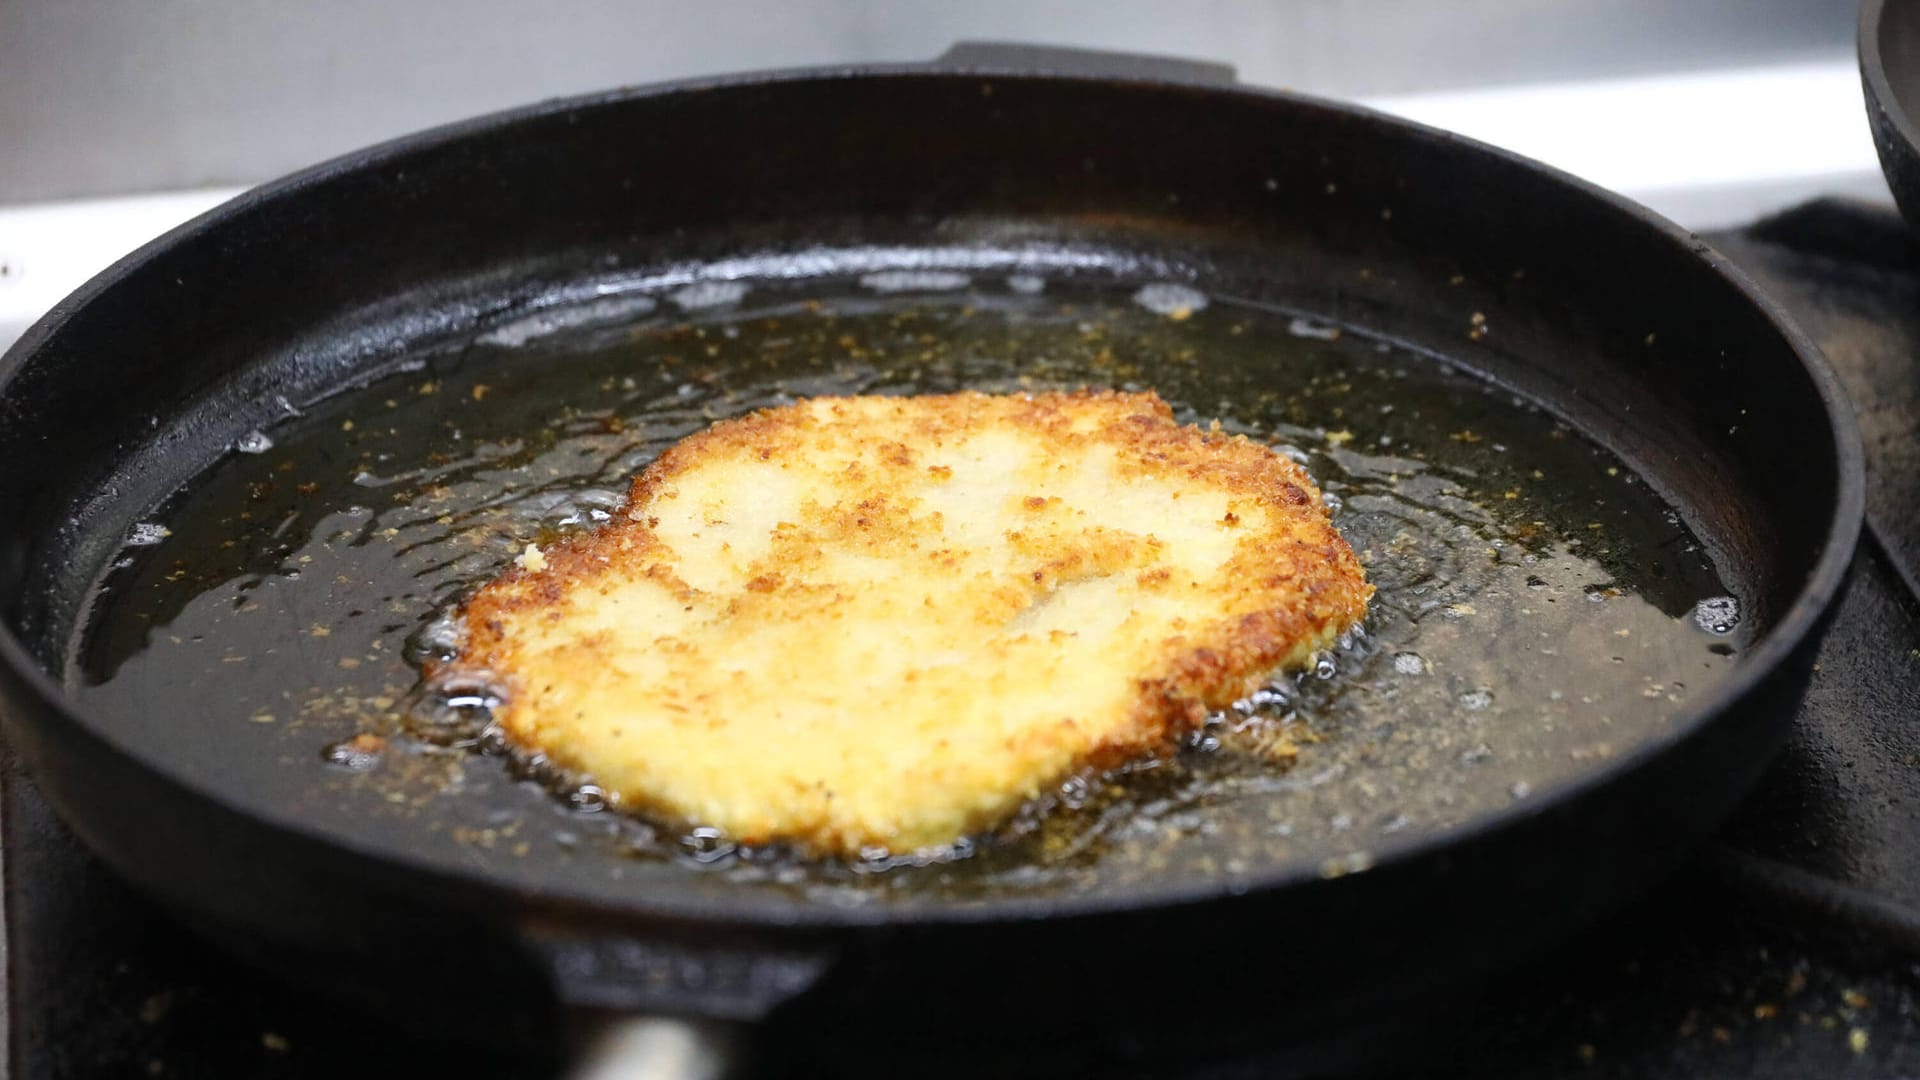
1540 609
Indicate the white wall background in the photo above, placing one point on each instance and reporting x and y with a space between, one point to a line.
106 96
1713 112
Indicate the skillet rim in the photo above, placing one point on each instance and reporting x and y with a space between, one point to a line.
1881 97
1802 617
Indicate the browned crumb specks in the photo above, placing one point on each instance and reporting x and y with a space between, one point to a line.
870 622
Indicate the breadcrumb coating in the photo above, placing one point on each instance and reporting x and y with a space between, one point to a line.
887 622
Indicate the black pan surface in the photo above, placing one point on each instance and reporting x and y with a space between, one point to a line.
1628 331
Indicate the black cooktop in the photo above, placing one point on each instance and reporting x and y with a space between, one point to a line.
1791 948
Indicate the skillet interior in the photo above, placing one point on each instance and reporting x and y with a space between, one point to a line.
150 374
1537 605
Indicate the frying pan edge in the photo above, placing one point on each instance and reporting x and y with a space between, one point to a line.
1896 138
29 684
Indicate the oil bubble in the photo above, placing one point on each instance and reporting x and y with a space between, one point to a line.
1074 792
439 639
1167 298
455 713
360 753
588 798
537 768
1266 699
706 844
493 740
253 442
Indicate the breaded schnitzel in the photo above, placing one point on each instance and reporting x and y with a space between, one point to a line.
887 622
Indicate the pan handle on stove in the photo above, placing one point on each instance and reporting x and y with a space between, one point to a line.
1010 57
619 1046
675 1004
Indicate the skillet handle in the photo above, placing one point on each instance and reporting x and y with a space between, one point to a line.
617 1046
1005 57
675 973
676 1003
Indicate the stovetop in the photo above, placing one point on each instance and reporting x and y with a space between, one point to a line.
1789 949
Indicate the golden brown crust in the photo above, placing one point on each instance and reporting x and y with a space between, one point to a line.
1192 565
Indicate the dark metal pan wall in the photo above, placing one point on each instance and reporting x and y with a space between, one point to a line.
1890 75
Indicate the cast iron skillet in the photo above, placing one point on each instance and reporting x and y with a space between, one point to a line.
1632 330
1890 74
